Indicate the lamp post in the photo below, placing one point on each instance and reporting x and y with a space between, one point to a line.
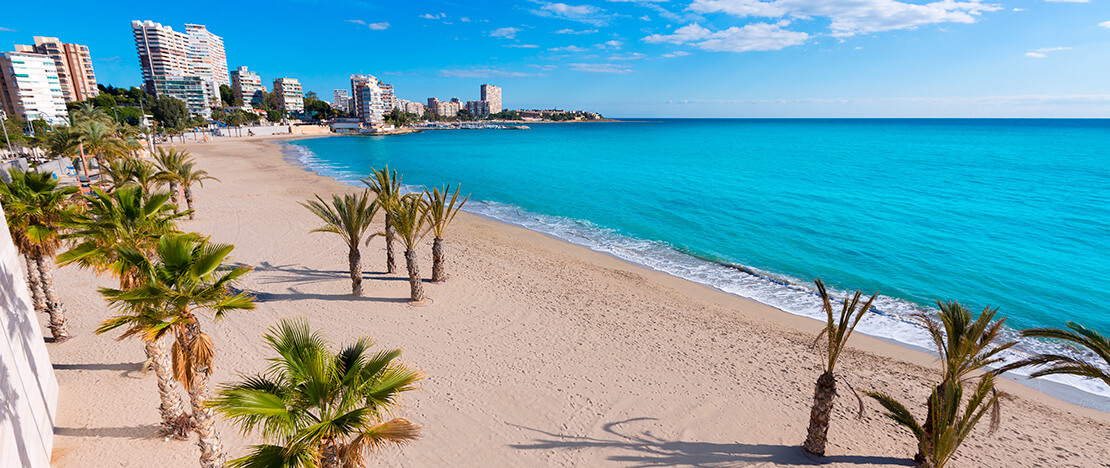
6 136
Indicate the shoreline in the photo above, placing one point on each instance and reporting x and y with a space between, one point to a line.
1064 392
538 352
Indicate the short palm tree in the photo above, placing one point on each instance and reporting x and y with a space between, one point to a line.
965 346
88 112
189 176
837 330
386 186
348 216
1080 337
131 171
320 408
169 170
410 221
441 212
186 276
938 443
37 212
100 139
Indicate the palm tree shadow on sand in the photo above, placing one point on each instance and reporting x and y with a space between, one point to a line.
644 449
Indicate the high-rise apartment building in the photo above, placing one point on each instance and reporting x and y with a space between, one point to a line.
447 108
389 99
367 95
492 95
289 94
341 99
248 87
170 59
30 88
414 108
478 108
74 65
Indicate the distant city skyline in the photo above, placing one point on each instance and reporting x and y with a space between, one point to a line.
654 58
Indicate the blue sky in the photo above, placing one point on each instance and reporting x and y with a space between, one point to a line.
677 58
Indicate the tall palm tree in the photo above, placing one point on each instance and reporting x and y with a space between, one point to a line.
37 212
409 221
965 346
319 408
938 443
87 112
837 329
100 139
189 176
187 276
441 212
169 170
128 218
132 171
1078 336
348 216
386 186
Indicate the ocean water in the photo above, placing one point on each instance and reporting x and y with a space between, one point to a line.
1013 214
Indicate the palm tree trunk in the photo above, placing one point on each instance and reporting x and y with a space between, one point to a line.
390 262
823 395
35 285
414 276
354 259
930 407
175 421
438 276
329 454
174 196
58 326
189 198
208 438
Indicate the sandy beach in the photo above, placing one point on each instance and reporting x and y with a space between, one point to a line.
537 353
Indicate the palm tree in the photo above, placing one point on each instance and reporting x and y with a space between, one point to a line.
87 112
964 346
132 171
837 330
387 187
348 216
100 139
127 218
440 214
320 408
1079 336
409 220
188 176
37 211
187 276
937 444
169 169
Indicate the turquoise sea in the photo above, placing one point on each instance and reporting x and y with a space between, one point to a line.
1013 214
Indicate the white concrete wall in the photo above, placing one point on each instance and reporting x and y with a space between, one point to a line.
28 389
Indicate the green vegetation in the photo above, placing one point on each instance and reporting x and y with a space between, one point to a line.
386 186
441 211
506 115
349 216
410 219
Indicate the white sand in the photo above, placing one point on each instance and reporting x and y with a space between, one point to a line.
538 353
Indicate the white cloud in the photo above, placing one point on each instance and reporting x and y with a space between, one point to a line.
850 17
356 21
507 33
600 68
484 73
434 15
464 19
750 37
628 56
588 14
1105 24
645 18
379 26
569 48
613 43
522 46
1043 51
571 31
1019 9
677 53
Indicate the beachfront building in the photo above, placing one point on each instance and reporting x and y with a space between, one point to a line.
341 100
162 52
433 104
412 107
368 98
74 65
447 108
206 55
478 108
171 58
190 89
248 87
492 96
288 93
30 88
389 99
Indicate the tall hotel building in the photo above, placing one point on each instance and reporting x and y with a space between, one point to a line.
369 105
289 95
342 99
30 87
248 87
492 95
74 65
188 66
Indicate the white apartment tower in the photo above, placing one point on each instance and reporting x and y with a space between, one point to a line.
30 88
492 95
173 62
74 64
289 95
206 54
369 104
248 87
341 99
